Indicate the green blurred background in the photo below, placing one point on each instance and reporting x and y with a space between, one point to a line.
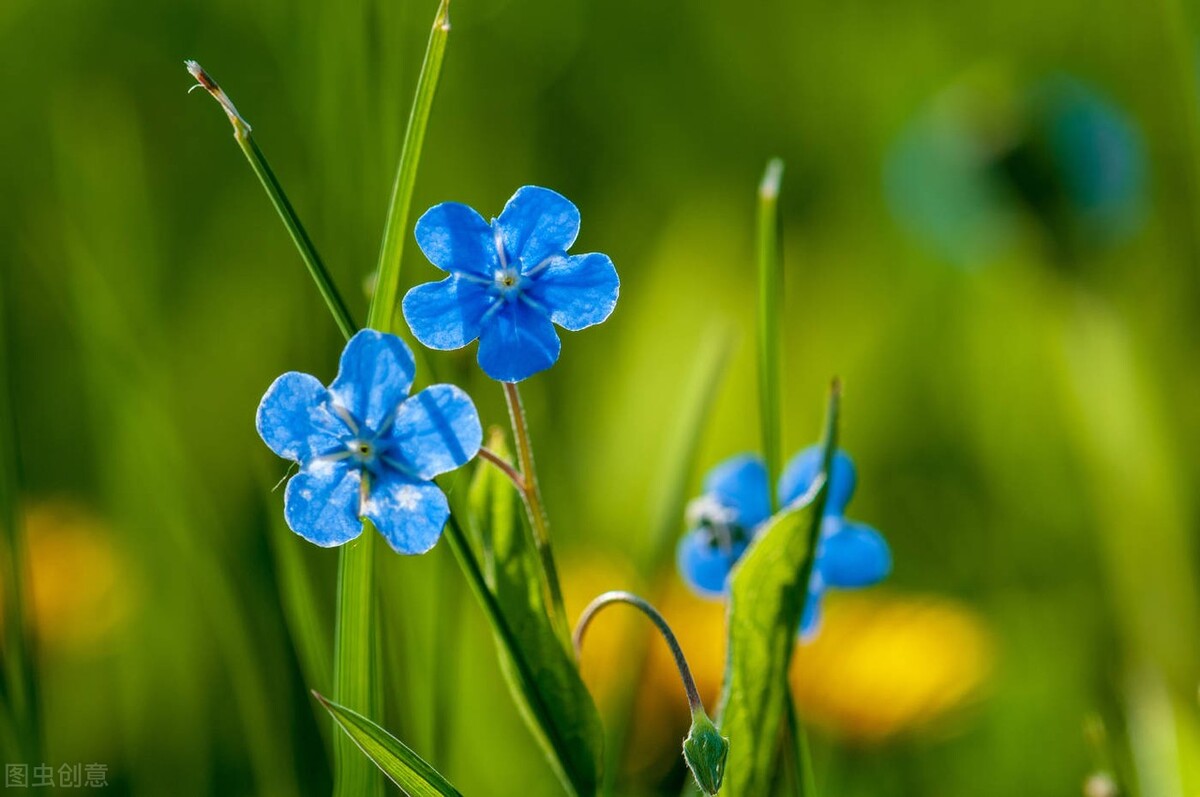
1024 423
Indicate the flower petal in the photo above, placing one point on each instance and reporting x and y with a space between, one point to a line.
457 239
409 513
705 566
517 342
446 315
321 503
578 291
854 556
436 431
535 224
374 377
740 483
294 419
802 470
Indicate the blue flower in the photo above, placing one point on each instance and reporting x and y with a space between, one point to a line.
736 504
510 282
366 449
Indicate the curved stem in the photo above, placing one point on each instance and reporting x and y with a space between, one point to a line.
532 494
620 596
504 467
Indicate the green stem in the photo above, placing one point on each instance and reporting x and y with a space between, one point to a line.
387 282
20 684
770 281
258 162
532 494
620 596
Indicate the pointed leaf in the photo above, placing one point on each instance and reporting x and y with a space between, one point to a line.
406 769
767 594
541 672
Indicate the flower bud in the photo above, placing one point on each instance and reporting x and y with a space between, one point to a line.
705 750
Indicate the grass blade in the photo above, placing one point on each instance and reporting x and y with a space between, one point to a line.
405 768
266 176
387 277
20 684
769 587
770 284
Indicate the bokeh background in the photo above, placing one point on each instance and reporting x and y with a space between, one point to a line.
991 216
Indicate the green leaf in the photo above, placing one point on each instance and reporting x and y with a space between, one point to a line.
541 673
397 230
406 769
770 289
767 594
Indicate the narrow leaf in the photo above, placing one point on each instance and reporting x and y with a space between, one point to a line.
283 206
768 590
396 231
770 286
541 673
406 769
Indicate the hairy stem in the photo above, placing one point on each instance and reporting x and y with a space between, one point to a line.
532 494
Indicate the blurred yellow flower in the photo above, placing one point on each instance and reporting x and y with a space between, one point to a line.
883 663
886 663
78 582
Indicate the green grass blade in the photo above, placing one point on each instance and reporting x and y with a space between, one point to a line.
357 680
301 607
770 285
266 176
19 683
769 587
405 768
387 282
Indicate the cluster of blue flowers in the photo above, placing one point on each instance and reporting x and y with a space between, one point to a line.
369 451
737 502
365 448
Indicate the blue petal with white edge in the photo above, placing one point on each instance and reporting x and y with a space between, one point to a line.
800 473
374 377
321 503
436 431
446 315
705 566
294 418
409 513
517 342
740 483
457 239
535 224
579 291
854 556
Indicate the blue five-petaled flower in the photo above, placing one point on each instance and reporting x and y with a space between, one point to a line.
366 449
510 282
737 502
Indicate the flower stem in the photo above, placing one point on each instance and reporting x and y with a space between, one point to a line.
258 162
504 467
620 596
532 494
